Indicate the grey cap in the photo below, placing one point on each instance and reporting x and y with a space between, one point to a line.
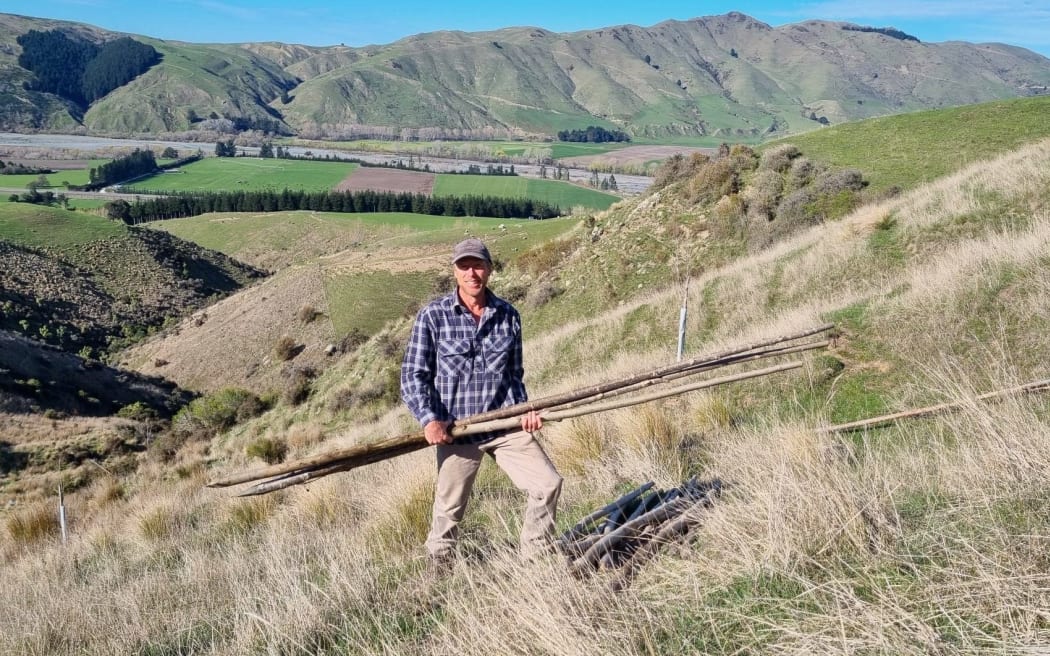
472 247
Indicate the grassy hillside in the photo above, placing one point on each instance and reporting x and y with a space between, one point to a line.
904 151
359 272
903 540
88 284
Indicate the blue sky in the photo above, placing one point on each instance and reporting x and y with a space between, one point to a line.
1023 23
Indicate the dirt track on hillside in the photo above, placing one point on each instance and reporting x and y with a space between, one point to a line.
383 179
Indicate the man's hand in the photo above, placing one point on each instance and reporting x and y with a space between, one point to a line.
531 422
436 432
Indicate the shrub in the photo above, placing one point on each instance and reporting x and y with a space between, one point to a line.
217 412
285 348
779 158
341 399
720 177
762 194
800 174
271 450
137 411
547 257
350 341
307 313
299 385
542 293
727 218
678 167
390 345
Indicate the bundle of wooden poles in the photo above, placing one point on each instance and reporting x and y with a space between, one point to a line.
552 408
624 534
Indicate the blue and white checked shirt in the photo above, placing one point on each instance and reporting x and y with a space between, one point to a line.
455 368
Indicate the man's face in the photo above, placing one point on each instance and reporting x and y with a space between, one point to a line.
472 274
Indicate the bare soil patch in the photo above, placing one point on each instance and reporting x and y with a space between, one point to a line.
383 179
635 155
230 343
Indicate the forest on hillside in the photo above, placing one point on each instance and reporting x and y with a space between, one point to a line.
81 71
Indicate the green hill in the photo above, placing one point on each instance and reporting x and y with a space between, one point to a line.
906 150
727 77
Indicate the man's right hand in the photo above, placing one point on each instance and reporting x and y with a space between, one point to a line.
436 432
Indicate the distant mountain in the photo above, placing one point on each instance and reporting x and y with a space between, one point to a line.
728 76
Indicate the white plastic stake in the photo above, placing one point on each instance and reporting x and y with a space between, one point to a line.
62 514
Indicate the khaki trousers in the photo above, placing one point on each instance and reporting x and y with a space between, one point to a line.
523 459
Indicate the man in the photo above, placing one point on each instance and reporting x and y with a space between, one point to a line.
465 357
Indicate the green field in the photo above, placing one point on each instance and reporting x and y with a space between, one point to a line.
564 195
37 226
56 179
566 149
909 149
247 174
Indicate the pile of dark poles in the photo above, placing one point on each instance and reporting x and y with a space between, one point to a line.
623 535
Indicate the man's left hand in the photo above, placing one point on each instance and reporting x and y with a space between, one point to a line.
531 422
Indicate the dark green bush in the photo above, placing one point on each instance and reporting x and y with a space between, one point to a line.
217 412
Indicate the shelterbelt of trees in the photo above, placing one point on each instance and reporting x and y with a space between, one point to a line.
196 203
593 134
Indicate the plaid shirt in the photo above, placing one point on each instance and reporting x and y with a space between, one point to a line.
455 368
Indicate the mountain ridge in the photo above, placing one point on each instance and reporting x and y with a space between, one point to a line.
730 77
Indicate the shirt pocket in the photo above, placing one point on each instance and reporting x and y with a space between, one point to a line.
455 357
497 353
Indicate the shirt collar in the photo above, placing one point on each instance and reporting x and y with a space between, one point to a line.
451 302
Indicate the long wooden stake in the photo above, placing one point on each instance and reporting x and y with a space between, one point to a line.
301 471
1027 388
749 356
705 361
566 399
